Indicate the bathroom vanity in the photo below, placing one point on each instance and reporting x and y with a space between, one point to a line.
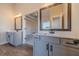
56 17
55 46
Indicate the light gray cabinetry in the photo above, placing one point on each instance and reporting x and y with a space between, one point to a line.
14 38
70 51
54 47
10 37
70 47
40 47
45 46
65 51
18 38
36 47
51 49
58 50
50 46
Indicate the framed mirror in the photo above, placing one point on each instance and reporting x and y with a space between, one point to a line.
18 23
56 17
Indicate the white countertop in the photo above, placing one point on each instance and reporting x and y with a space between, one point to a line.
57 36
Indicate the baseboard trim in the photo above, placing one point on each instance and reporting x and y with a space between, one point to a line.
3 43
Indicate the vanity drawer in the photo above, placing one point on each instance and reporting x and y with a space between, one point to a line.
66 41
50 39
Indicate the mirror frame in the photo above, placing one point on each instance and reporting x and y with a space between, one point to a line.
68 18
15 23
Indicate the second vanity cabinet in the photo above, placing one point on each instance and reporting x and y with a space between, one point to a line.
14 38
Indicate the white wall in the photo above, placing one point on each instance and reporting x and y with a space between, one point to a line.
6 20
26 8
6 17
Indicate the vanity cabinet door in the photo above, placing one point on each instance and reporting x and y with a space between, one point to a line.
36 48
70 51
41 48
14 38
58 50
50 49
44 48
18 38
10 37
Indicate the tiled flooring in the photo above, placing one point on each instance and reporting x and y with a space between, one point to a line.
8 50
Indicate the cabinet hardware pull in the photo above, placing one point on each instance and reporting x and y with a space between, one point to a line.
47 47
8 36
51 48
69 43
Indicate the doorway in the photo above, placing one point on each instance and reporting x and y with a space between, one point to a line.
31 27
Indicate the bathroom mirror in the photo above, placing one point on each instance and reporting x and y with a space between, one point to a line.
56 17
18 23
